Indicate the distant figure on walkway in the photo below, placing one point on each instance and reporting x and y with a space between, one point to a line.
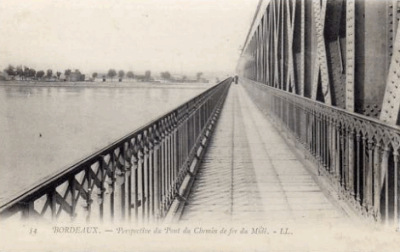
236 79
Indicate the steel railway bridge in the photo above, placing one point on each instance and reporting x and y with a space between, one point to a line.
311 131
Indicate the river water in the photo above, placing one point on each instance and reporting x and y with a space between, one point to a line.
47 129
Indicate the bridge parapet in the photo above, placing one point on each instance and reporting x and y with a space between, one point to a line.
134 179
359 154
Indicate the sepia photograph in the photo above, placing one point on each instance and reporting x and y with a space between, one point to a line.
200 125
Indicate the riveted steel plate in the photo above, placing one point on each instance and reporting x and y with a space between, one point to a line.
290 29
302 51
338 77
350 54
319 18
391 99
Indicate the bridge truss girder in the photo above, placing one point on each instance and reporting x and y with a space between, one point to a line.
343 53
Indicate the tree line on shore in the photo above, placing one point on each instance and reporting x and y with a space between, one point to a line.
27 73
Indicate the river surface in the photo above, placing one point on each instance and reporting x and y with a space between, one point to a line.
47 129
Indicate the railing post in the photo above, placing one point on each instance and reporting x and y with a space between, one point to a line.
103 174
358 168
152 181
396 187
53 203
146 179
27 210
333 147
89 193
157 181
325 141
370 174
365 172
377 181
73 201
135 178
338 154
384 179
175 165
120 178
342 158
169 168
127 166
350 140
163 147
141 179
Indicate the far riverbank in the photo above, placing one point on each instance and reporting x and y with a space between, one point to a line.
107 84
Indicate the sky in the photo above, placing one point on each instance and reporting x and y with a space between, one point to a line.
179 36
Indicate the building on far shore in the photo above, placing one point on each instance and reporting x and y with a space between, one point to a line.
2 77
75 76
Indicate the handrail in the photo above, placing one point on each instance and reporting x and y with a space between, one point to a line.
359 154
144 169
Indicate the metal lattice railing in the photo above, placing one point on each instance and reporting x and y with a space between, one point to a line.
136 178
359 154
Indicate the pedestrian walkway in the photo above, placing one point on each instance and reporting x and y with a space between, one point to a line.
249 174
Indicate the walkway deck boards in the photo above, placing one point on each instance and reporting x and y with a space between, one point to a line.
249 174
